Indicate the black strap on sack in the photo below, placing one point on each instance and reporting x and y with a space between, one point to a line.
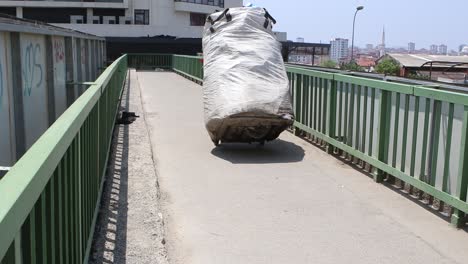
268 17
224 14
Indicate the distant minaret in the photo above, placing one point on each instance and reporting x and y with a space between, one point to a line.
382 46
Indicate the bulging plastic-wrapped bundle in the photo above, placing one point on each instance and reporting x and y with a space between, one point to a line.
245 87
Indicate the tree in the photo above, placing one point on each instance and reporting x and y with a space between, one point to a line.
328 64
388 67
352 66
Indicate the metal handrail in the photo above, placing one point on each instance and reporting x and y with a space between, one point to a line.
49 198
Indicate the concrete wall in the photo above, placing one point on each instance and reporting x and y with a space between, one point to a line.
7 146
36 83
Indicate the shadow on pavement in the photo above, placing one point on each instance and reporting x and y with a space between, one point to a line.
277 151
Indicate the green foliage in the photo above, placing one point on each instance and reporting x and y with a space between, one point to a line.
352 66
328 64
388 67
415 75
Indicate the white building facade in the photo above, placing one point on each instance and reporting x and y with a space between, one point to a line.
122 18
339 49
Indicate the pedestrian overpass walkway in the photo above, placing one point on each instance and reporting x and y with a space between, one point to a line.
165 194
285 202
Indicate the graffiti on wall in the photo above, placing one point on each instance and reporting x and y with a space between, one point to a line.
59 51
31 67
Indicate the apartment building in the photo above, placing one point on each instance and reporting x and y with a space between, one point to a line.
339 49
122 18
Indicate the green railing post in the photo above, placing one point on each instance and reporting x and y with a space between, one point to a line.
297 101
332 112
462 184
383 131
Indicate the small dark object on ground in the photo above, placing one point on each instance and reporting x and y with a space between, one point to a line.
127 118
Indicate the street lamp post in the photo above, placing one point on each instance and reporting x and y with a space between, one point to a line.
354 22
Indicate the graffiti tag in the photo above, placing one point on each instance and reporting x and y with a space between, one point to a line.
59 51
30 67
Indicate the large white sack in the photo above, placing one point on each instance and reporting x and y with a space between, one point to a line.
243 67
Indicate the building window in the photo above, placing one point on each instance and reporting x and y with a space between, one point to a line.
197 19
141 17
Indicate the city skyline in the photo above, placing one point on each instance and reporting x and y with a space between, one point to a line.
404 21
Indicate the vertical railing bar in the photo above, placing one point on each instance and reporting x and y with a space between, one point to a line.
300 93
310 100
79 186
364 123
396 130
296 101
425 136
89 171
435 141
67 206
358 117
325 88
332 113
346 115
73 224
315 104
60 206
305 99
371 127
83 175
351 116
340 112
44 242
448 147
320 99
415 136
383 131
405 134
32 234
52 213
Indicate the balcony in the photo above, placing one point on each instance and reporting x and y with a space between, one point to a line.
217 3
199 6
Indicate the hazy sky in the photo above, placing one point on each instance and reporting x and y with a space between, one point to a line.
424 22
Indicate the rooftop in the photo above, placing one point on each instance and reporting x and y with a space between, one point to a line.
418 60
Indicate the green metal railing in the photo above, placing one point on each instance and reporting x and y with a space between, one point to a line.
50 198
189 66
152 60
417 134
401 130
